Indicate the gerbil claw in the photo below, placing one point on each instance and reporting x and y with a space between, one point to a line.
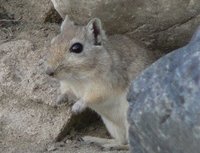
62 99
78 107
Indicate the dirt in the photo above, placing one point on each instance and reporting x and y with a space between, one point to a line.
71 144
61 147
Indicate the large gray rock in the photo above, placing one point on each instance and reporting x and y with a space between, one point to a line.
159 24
164 103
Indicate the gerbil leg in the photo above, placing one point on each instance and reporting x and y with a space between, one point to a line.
96 140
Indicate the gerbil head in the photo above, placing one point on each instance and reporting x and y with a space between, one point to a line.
78 52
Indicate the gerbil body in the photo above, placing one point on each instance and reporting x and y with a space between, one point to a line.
98 71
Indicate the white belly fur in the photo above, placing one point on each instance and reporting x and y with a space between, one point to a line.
114 114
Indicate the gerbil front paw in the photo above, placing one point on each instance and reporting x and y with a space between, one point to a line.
67 97
62 99
78 107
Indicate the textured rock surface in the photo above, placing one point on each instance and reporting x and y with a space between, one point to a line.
164 104
30 10
26 94
159 24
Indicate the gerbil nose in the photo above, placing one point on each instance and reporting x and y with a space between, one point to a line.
50 71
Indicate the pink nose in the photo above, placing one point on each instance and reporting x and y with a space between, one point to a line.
50 71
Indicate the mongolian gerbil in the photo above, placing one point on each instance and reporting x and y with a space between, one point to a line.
98 70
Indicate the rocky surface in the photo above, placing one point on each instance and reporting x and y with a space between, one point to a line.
61 147
164 104
31 10
159 24
26 93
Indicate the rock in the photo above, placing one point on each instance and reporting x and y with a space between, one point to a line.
162 25
26 94
22 70
164 104
31 10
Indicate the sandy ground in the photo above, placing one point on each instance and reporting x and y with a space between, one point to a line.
70 146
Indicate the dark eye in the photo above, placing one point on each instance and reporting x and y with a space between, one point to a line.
76 48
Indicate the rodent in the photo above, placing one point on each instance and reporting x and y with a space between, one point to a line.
98 70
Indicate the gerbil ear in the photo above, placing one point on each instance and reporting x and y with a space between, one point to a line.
95 32
66 23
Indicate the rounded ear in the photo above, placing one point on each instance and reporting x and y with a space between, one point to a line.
66 23
95 31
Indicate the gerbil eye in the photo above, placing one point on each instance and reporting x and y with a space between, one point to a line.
76 48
